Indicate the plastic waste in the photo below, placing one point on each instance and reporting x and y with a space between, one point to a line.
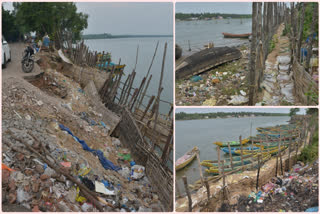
100 187
48 171
196 78
126 157
7 168
80 198
137 172
238 99
312 209
22 196
124 172
132 163
66 164
107 164
86 206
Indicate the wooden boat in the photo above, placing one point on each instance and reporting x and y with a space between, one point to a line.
215 170
205 60
271 151
109 67
234 158
186 158
233 149
234 163
231 35
232 143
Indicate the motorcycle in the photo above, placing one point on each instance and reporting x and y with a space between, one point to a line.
28 60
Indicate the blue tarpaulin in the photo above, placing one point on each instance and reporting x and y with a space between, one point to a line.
104 161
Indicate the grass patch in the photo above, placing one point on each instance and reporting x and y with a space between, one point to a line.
310 152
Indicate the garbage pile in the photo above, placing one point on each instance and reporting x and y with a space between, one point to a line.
224 85
58 155
296 191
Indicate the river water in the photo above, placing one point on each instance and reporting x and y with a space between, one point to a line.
126 49
203 133
201 32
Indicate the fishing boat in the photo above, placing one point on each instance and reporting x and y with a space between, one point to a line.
231 35
186 158
109 67
205 60
215 170
231 143
234 158
271 151
234 163
233 149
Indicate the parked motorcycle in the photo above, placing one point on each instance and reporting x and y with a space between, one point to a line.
28 60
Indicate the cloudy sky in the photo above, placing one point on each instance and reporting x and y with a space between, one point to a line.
214 7
207 110
126 18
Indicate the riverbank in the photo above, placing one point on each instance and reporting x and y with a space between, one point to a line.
238 186
224 85
58 147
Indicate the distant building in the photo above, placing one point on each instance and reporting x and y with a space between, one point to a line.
219 17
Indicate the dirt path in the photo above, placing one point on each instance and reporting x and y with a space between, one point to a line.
13 68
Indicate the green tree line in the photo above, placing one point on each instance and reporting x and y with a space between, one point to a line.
197 116
187 16
54 18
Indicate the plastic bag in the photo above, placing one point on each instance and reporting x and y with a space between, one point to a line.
137 172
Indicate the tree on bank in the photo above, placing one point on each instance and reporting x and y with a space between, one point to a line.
55 18
10 30
293 111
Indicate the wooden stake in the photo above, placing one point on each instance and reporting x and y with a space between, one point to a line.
241 151
199 167
207 186
230 155
184 178
218 150
258 173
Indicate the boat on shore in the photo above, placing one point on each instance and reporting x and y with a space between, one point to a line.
186 158
231 35
233 149
231 143
205 60
251 164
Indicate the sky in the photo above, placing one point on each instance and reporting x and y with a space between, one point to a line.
214 7
126 18
208 110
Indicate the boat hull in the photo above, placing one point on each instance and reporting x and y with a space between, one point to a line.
242 36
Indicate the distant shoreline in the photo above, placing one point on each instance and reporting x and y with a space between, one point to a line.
227 117
109 36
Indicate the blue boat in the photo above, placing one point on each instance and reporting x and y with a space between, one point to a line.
233 149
